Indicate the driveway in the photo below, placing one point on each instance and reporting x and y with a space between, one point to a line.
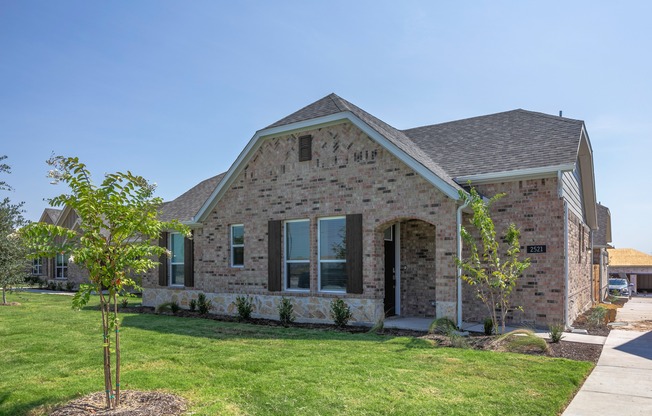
621 383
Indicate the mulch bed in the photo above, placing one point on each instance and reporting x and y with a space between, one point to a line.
132 403
564 349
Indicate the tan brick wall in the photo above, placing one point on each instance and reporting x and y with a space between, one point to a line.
579 267
349 173
535 208
418 260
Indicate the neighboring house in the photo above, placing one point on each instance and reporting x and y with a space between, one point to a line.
632 264
331 202
59 269
43 267
601 240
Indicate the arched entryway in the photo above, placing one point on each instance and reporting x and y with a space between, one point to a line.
409 267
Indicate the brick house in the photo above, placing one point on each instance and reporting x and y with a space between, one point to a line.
601 246
58 269
331 202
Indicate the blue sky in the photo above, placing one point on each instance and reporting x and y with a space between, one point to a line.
173 90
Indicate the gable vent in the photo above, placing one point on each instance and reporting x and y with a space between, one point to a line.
305 148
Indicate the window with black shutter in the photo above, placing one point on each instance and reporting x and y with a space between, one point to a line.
305 148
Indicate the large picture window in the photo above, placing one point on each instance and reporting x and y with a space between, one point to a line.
237 245
297 255
37 267
176 259
61 267
332 254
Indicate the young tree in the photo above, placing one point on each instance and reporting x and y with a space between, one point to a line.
13 256
115 240
492 276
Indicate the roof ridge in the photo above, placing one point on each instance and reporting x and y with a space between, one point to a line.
517 110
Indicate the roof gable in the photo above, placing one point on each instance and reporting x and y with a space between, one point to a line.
332 110
602 236
50 215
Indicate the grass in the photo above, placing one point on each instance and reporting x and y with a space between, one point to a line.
51 354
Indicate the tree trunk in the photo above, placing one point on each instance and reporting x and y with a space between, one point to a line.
117 351
108 388
4 295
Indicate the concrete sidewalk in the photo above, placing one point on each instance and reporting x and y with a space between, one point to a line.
621 383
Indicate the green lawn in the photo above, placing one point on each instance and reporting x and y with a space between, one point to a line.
50 354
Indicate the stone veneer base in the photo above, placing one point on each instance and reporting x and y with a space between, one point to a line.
311 309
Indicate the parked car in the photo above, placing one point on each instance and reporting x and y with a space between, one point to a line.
619 287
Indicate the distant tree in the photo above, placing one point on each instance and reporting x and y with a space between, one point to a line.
13 256
492 275
115 240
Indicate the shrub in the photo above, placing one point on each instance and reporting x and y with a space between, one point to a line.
286 311
456 340
52 285
168 307
521 341
597 316
245 307
124 302
59 286
556 332
442 325
379 327
340 312
70 286
488 326
193 305
203 304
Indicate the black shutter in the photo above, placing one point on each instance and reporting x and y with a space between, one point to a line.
305 148
163 261
189 261
274 262
354 253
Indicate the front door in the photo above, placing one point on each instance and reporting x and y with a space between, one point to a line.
390 273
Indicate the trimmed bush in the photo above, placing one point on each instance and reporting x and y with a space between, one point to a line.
203 304
286 311
193 305
245 307
488 326
340 312
168 307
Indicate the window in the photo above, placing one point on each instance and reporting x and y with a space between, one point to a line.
37 267
61 269
176 259
305 148
297 255
237 245
332 254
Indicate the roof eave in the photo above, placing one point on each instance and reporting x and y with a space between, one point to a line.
515 175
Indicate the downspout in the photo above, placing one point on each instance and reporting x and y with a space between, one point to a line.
560 192
566 283
459 268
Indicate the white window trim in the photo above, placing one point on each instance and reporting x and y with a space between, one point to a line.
237 266
64 267
320 261
285 256
37 267
170 263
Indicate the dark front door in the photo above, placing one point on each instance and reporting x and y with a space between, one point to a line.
390 277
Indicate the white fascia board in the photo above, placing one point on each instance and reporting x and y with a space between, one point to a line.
515 175
260 135
426 173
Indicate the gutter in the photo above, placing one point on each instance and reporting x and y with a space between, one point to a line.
459 269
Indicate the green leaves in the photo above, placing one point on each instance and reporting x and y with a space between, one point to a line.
492 272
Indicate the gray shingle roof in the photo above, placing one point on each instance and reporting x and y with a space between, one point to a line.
186 206
333 104
512 140
53 213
